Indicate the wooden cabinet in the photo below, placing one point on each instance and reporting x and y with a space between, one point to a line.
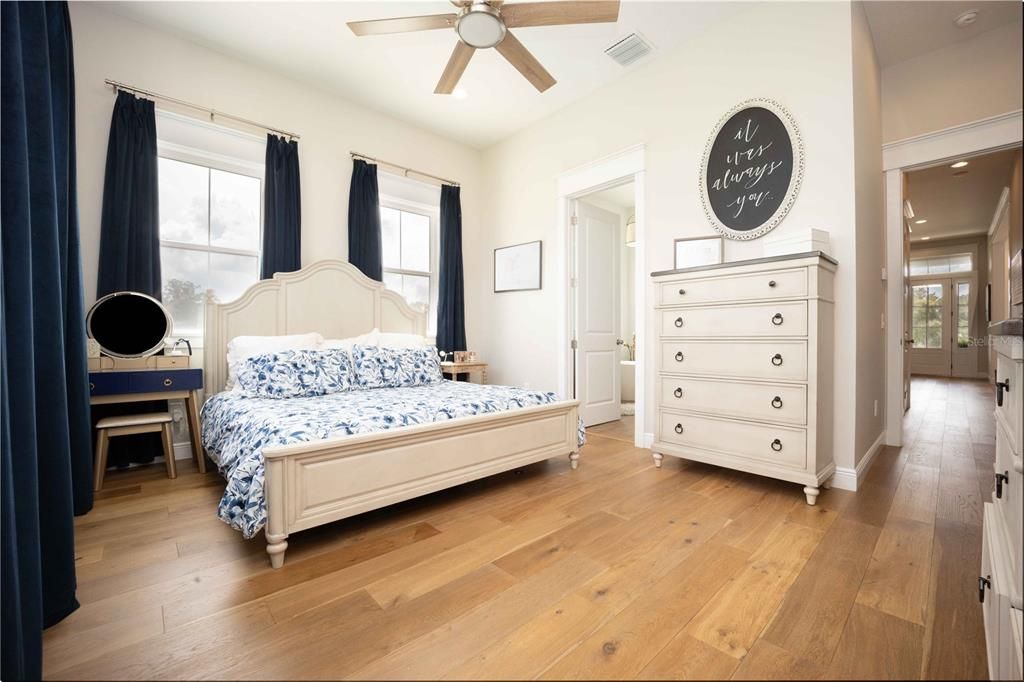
745 353
999 583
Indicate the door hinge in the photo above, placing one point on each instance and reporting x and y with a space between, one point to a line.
573 344
574 220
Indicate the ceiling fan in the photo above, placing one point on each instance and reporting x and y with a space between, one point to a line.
480 24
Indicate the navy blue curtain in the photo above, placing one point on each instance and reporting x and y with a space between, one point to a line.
130 224
44 431
282 208
451 314
364 248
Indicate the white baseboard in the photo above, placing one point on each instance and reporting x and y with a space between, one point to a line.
846 478
182 451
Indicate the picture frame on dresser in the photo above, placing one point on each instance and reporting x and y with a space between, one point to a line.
690 252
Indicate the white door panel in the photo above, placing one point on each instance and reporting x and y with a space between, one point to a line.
598 352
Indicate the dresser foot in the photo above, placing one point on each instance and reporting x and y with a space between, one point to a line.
827 485
812 495
657 459
276 545
574 460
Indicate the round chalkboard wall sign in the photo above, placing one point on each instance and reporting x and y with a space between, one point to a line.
751 169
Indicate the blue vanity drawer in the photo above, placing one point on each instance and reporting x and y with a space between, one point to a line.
108 383
172 380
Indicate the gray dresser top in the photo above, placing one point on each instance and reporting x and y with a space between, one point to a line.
749 261
1011 327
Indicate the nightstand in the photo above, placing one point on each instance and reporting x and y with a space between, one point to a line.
477 371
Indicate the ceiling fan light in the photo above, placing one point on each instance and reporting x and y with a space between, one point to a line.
480 27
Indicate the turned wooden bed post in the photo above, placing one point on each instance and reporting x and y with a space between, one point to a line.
273 492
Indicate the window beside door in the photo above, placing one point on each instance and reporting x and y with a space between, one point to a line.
963 316
926 315
210 236
406 238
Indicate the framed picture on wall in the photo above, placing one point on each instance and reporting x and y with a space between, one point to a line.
517 267
693 252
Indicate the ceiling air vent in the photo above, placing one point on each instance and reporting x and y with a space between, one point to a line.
630 49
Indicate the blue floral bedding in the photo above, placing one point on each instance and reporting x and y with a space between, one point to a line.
236 428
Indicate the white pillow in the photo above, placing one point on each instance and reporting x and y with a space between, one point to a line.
241 348
393 340
370 338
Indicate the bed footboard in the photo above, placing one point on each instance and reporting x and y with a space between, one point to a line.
310 484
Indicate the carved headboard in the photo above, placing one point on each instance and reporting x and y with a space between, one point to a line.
331 297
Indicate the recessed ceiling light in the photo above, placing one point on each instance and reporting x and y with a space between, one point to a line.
966 19
924 239
959 164
922 221
460 93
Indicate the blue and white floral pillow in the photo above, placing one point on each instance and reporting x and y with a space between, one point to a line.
380 367
296 374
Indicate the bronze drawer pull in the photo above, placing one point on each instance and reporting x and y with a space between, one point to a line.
679 322
1001 479
1001 386
678 393
777 445
771 283
777 319
168 382
777 359
92 386
983 583
777 403
679 356
682 292
679 428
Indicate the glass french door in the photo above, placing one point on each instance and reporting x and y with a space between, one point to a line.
941 314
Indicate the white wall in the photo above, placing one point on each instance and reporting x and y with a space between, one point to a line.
964 82
671 106
110 46
870 225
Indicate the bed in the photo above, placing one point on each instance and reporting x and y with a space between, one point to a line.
297 463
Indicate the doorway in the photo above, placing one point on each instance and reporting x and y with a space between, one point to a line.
943 313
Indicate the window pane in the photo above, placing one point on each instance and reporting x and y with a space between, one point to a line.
938 265
415 242
934 337
183 201
919 267
184 273
393 282
390 221
960 263
234 211
231 275
416 289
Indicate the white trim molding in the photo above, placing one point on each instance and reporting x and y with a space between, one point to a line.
988 133
1001 207
846 478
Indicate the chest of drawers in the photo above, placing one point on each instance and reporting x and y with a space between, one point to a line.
744 362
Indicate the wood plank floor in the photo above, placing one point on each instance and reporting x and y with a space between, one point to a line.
615 571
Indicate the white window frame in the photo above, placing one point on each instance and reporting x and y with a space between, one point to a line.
948 257
198 157
433 214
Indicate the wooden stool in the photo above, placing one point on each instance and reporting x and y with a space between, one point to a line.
126 425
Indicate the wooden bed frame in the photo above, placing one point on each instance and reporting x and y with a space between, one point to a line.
309 484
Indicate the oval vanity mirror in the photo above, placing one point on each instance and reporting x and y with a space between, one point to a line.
127 324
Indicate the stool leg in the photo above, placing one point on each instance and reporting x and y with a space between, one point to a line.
101 459
165 431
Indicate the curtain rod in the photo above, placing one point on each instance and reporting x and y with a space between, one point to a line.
405 171
212 112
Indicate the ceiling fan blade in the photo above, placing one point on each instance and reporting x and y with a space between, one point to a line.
402 24
558 13
519 57
456 66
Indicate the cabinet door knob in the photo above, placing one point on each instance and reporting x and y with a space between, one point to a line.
777 445
679 356
679 428
777 402
678 393
92 386
983 584
682 292
771 283
777 359
777 319
1001 387
168 382
1001 479
679 322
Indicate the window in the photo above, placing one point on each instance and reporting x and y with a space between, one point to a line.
963 323
406 238
926 315
941 264
210 220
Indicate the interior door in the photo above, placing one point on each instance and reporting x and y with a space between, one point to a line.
930 318
597 296
908 332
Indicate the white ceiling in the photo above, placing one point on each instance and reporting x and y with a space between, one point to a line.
904 29
956 205
396 74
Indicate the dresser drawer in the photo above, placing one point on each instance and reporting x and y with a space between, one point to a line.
761 285
778 445
759 319
1007 498
772 360
782 403
154 381
1009 373
108 383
